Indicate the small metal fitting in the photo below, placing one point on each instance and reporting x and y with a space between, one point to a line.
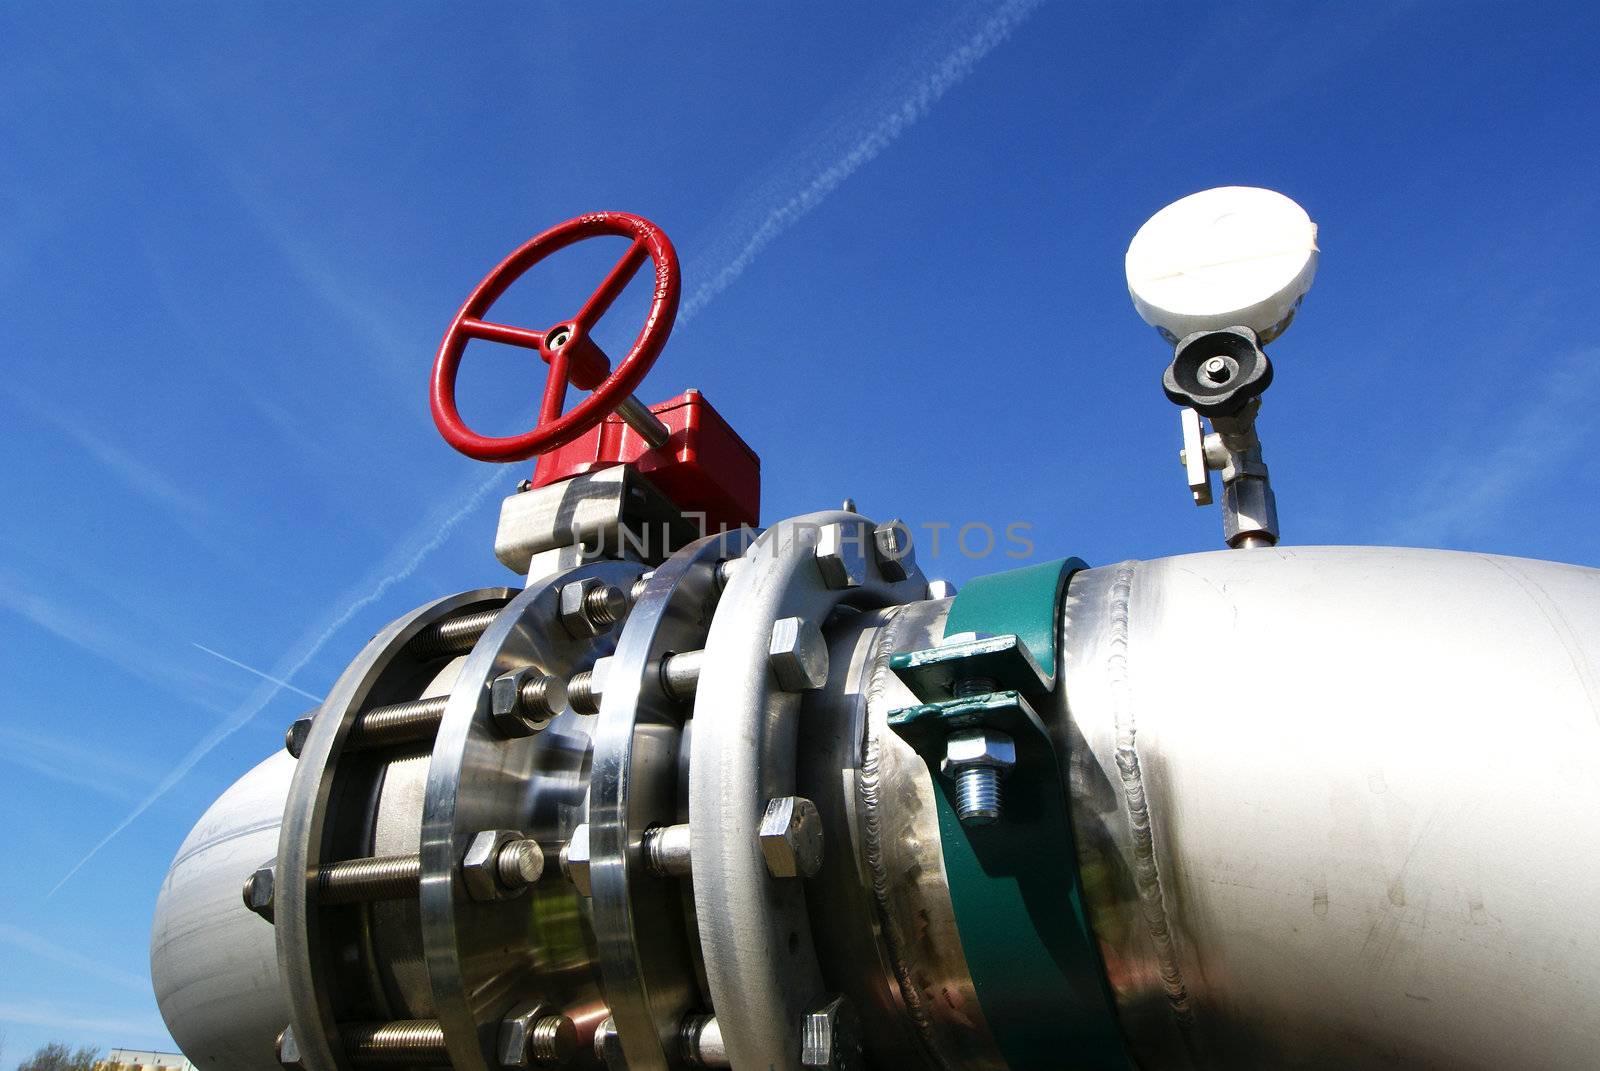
680 674
288 1050
667 851
531 1035
791 837
941 589
575 859
830 1036
585 690
798 655
294 739
841 556
591 606
891 543
499 864
608 1047
523 702
977 760
700 1041
258 892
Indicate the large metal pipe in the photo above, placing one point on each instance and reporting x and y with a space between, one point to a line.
214 965
1340 807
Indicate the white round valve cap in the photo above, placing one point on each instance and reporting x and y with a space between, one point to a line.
1233 256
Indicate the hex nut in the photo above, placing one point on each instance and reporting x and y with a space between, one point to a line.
830 1036
288 1050
891 543
841 556
978 747
591 606
941 589
509 703
791 837
798 655
480 866
258 891
575 859
294 739
534 1035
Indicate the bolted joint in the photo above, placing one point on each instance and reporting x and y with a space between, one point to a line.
891 544
499 864
591 606
288 1050
700 1041
977 760
830 1036
532 1035
294 739
608 1047
841 556
258 893
575 859
585 690
798 655
791 837
523 702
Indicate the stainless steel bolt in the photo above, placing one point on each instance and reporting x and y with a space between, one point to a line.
499 864
791 837
523 702
258 891
590 606
891 543
575 859
977 760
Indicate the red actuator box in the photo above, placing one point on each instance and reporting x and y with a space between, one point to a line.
704 468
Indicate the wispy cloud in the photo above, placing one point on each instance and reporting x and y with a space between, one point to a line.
58 1018
93 632
285 685
189 513
886 120
400 564
78 962
59 759
1472 482
891 118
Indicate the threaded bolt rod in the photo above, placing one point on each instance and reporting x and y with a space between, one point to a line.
581 695
978 796
383 877
403 1043
553 1041
452 636
398 723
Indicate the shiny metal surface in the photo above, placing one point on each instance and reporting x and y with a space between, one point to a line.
1340 807
485 957
213 964
326 954
881 911
639 915
755 933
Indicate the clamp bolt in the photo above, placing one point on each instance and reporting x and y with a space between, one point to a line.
977 760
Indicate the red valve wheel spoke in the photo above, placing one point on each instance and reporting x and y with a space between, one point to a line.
511 336
616 282
567 347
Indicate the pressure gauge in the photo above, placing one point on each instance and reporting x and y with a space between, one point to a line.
1234 256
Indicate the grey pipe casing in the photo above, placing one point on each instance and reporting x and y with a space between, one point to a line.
1341 806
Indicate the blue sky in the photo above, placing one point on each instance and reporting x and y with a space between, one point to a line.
231 235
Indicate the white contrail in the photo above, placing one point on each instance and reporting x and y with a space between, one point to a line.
264 676
957 63
923 95
292 663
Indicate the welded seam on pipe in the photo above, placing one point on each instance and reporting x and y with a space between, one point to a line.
1146 869
869 793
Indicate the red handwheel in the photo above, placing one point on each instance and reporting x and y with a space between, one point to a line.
567 347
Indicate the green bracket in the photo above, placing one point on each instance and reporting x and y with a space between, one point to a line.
1014 884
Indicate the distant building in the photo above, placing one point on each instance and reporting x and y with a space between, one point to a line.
144 1060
